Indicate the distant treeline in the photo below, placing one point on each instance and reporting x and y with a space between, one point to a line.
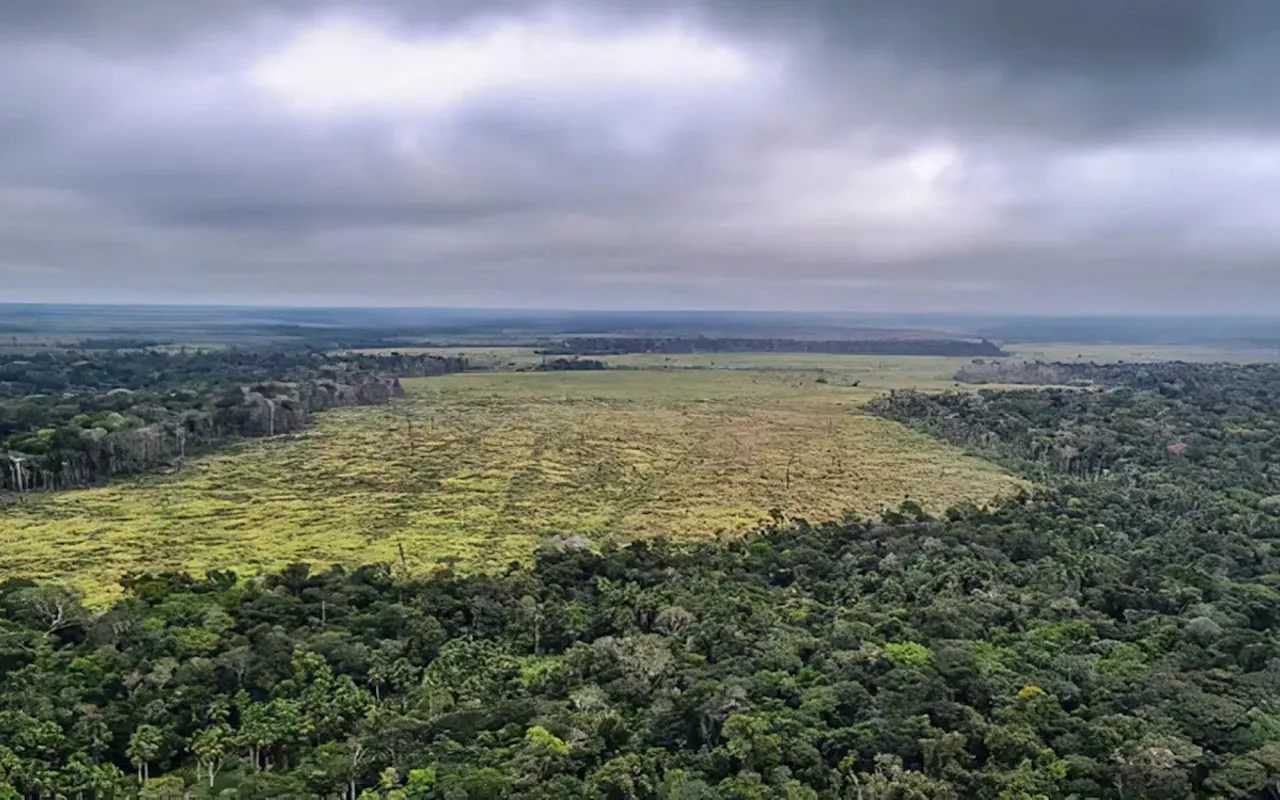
72 418
107 343
570 365
608 345
1039 373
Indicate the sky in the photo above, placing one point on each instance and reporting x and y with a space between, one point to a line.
1055 156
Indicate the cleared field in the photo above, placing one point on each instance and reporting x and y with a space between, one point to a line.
872 373
477 467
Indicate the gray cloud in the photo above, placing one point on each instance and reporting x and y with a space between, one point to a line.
997 154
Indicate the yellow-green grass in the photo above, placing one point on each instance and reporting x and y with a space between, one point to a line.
872 372
864 376
478 467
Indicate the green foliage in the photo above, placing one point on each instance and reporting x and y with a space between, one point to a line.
422 784
912 655
170 787
543 742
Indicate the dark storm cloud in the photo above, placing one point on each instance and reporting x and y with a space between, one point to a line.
916 153
1054 68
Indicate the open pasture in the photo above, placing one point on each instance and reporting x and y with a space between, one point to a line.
475 468
871 373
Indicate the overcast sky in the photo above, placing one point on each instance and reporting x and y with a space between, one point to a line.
966 155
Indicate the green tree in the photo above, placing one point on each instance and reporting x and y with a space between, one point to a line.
144 748
211 746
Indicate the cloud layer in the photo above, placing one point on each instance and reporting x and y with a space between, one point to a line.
1062 155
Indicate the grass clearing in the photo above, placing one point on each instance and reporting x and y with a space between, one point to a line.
873 373
476 467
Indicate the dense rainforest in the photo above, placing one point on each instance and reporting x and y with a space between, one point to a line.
68 418
619 345
1110 635
1143 425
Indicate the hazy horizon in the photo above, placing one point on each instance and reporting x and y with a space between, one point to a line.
887 314
1060 157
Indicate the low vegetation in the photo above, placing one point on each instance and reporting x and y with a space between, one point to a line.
869 375
475 468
